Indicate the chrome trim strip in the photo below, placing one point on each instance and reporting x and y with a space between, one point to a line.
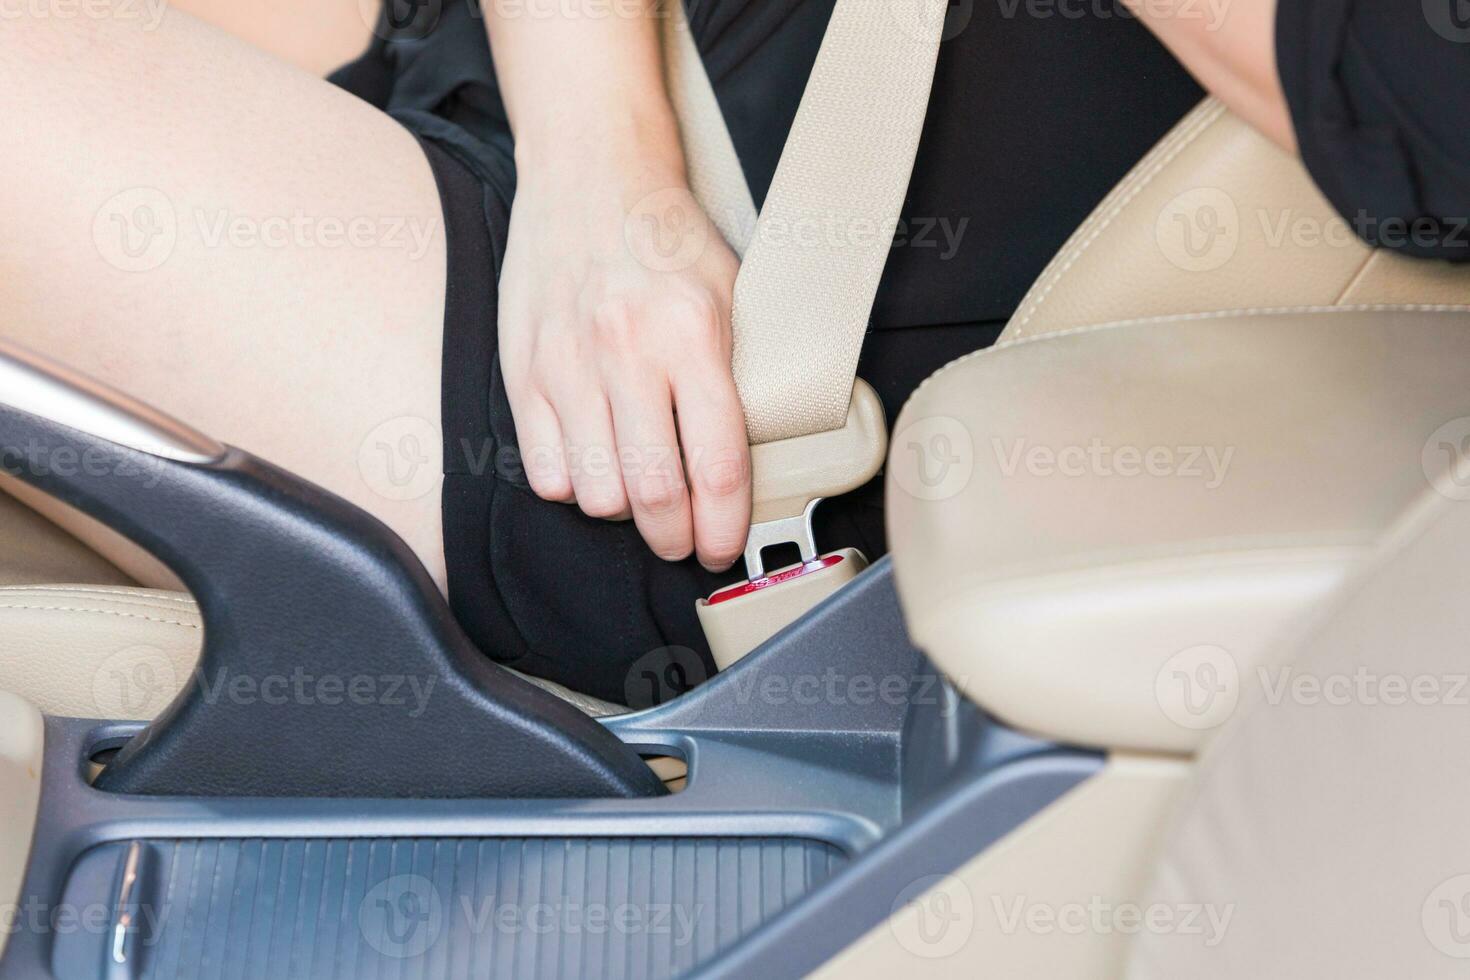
125 905
38 386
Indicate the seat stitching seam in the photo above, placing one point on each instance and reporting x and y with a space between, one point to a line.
102 612
1105 217
1357 276
1253 311
155 596
1031 301
1185 139
1193 317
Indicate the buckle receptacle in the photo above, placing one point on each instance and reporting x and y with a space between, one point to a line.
790 478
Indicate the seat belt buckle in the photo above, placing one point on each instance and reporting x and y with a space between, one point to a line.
740 617
790 478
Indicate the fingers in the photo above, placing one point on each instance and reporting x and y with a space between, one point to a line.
637 415
587 426
717 458
543 452
653 475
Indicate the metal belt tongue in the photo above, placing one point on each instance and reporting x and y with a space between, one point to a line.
794 475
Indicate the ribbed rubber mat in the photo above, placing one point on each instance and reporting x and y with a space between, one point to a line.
524 907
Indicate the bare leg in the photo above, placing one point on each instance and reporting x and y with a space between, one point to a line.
233 240
317 35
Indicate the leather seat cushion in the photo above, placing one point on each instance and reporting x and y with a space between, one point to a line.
1084 521
122 653
33 549
1326 824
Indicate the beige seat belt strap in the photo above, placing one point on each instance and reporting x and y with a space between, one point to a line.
806 286
814 258
715 176
811 265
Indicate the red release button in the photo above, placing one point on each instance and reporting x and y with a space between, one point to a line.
750 588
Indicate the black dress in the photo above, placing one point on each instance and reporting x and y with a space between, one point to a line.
1380 97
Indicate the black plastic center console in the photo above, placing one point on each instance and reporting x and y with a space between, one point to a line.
498 832
828 772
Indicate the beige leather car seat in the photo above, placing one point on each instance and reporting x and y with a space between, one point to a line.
1335 827
79 638
92 644
1217 218
1318 835
36 550
1215 475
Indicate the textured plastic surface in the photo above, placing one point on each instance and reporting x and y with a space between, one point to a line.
332 666
904 778
511 907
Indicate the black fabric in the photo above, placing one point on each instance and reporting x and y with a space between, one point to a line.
1380 98
541 585
1032 122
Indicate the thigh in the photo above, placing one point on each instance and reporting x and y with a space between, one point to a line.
317 35
233 240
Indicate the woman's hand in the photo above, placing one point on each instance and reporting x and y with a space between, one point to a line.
615 293
615 300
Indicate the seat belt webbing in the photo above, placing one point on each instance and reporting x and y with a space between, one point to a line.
814 258
715 176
